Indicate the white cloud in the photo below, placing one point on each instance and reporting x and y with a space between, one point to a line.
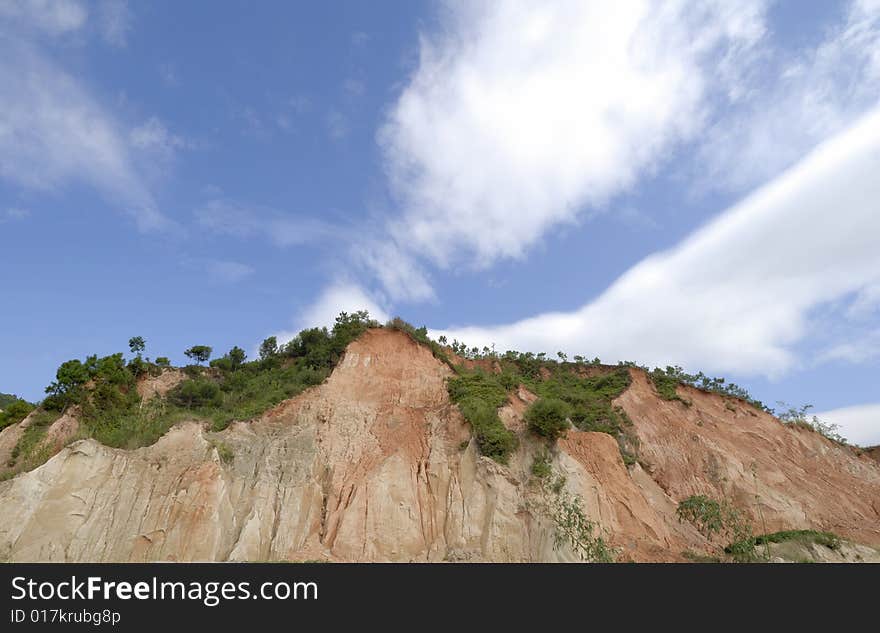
859 424
360 38
115 21
859 348
339 297
227 217
227 272
152 135
53 132
54 17
169 75
799 99
354 87
11 214
400 275
521 114
337 125
736 295
866 303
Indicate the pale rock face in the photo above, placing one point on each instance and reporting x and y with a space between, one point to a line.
369 466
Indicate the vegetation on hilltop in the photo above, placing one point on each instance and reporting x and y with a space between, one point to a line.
231 388
564 397
6 399
13 409
479 395
797 416
578 392
30 451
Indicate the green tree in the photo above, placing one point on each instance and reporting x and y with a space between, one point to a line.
199 353
69 380
163 361
137 345
196 393
268 348
548 417
14 411
237 356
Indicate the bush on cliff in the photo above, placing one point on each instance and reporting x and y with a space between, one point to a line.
548 417
113 413
14 410
479 395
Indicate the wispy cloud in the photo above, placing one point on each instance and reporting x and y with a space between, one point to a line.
13 214
228 217
337 125
54 17
794 102
153 136
860 424
399 274
360 38
227 272
115 20
169 75
53 131
521 115
354 87
860 348
736 295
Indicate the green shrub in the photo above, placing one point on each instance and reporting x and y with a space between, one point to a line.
719 518
797 416
665 381
746 548
6 399
196 393
572 527
138 366
479 395
590 398
708 515
493 438
67 389
223 364
112 411
586 401
477 385
27 452
224 452
192 371
541 466
14 410
666 384
548 417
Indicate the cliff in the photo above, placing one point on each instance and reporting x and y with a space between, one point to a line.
376 464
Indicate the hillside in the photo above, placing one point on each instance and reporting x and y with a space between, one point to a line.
6 399
377 463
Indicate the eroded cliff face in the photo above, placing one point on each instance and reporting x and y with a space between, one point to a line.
376 464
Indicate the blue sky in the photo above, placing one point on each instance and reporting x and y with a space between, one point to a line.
683 183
